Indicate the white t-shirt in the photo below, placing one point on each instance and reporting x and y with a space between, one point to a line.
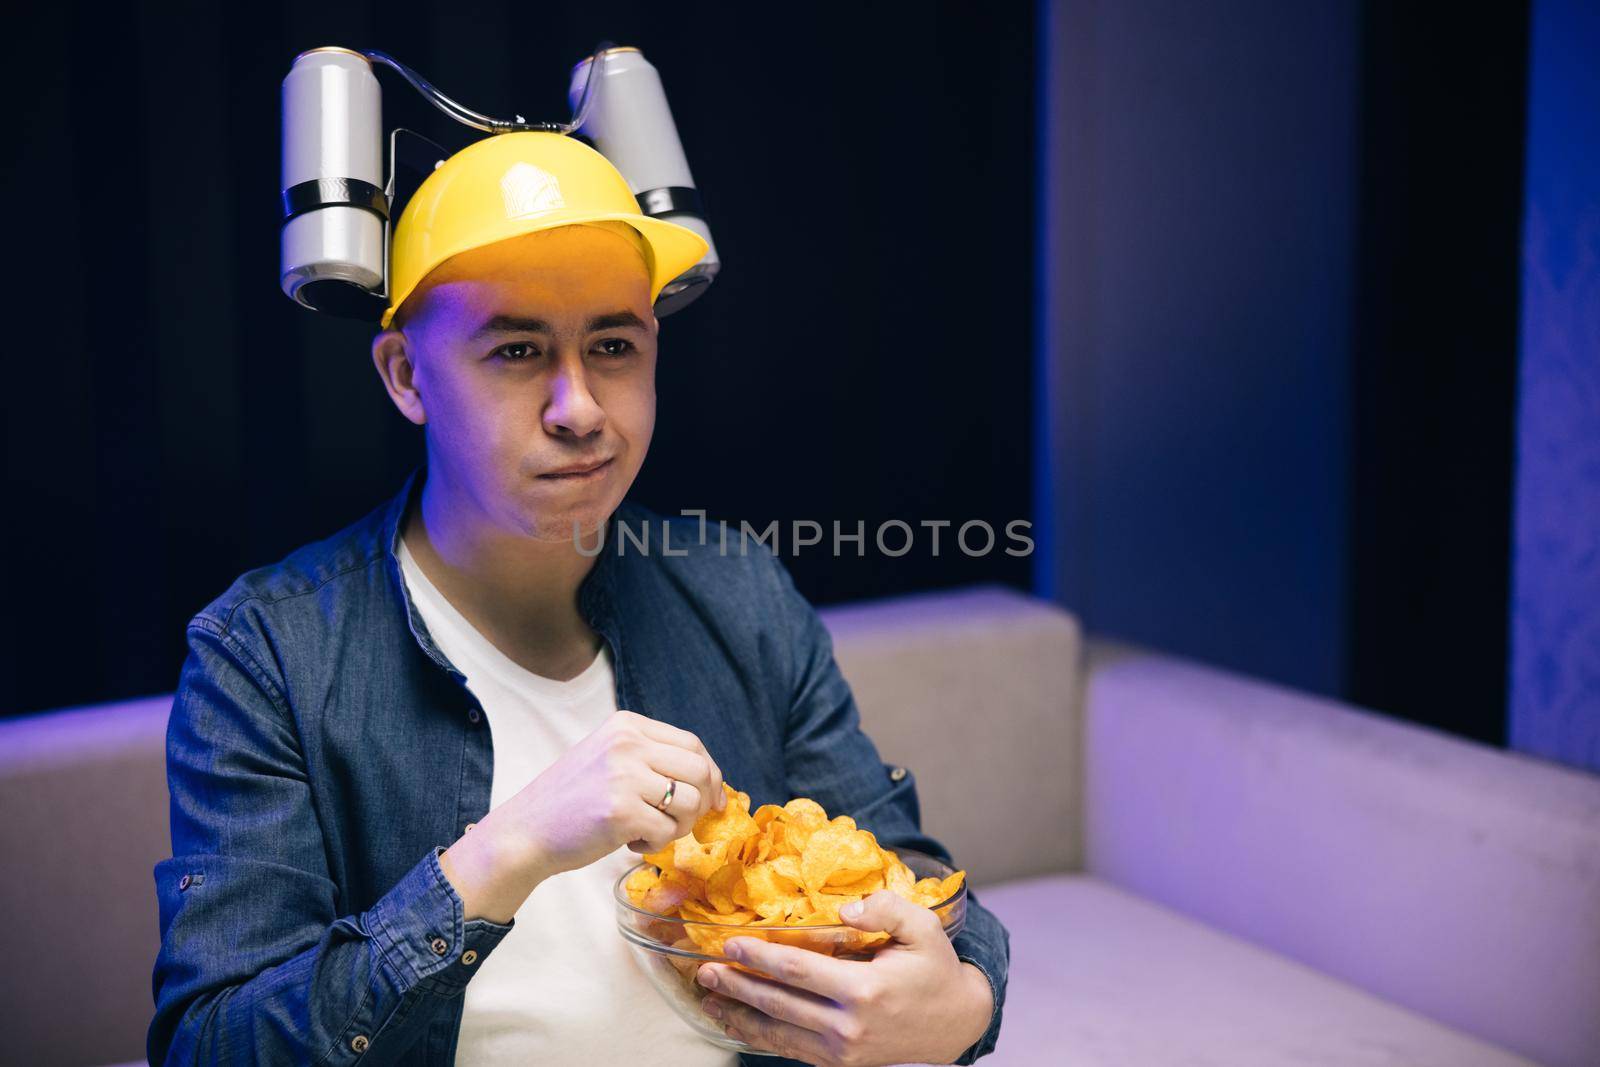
562 986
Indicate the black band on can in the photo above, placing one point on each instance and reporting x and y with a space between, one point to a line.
334 192
671 199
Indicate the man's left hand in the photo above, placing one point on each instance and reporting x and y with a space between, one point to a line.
915 1001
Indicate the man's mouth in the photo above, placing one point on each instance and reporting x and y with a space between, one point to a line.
578 472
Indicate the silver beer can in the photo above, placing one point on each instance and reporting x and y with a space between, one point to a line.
631 125
332 178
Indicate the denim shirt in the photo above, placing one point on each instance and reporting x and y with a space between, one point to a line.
322 752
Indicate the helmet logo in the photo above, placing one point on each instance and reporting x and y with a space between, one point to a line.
530 190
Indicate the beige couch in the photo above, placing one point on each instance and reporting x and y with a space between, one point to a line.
1196 868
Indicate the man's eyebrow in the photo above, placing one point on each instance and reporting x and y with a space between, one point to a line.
615 319
524 324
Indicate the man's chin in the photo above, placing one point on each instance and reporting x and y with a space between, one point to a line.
577 524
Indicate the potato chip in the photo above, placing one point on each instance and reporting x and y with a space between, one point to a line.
773 887
689 968
700 860
640 882
838 853
859 941
710 940
669 892
826 905
897 877
950 886
805 810
931 891
732 823
803 816
720 886
865 886
695 911
780 874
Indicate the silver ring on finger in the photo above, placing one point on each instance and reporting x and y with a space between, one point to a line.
666 798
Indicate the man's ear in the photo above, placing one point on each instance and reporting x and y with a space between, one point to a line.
392 354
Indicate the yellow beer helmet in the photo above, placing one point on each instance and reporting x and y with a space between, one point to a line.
510 184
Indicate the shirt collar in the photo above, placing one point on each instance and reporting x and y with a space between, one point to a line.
595 593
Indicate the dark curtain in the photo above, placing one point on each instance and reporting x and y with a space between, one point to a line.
173 420
1434 366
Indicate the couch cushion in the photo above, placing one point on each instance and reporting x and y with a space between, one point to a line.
84 794
1459 880
975 690
1102 977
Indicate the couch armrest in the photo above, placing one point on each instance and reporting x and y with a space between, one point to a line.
83 821
1457 879
977 691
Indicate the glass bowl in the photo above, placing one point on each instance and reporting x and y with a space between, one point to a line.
671 958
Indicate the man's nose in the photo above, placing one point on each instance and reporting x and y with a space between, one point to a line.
572 410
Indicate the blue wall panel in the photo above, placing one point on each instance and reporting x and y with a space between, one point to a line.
1198 204
1555 612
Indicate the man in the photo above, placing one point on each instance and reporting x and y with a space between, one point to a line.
408 762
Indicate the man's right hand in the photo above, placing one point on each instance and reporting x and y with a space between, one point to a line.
600 794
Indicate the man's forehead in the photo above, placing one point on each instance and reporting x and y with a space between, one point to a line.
475 312
511 322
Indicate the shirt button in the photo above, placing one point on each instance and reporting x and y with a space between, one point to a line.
183 883
439 945
469 957
359 1043
474 715
897 774
470 825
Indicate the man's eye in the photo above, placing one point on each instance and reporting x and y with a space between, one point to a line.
517 350
625 346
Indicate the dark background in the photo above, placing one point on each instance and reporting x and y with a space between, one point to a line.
1434 368
877 344
1280 339
175 420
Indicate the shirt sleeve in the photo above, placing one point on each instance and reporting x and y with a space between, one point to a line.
255 964
830 759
